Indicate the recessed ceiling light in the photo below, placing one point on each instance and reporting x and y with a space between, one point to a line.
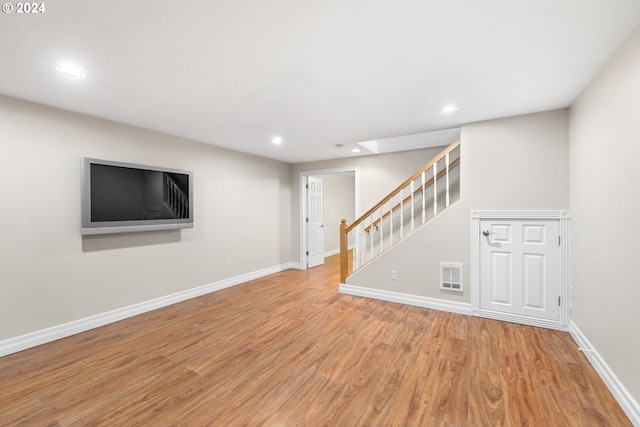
448 109
276 140
355 150
71 70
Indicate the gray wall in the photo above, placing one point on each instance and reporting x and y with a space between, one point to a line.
605 201
51 275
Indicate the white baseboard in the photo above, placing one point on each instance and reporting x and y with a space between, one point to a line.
296 266
331 252
629 405
522 320
419 301
33 339
336 251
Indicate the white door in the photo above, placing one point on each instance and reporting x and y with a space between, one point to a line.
519 267
315 227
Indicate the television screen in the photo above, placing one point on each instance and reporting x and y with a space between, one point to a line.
122 197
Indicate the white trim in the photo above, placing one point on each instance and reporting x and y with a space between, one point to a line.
626 401
303 202
474 292
564 279
335 251
33 339
523 320
332 252
520 214
296 266
415 300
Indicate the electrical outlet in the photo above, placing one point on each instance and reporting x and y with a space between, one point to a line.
394 275
228 263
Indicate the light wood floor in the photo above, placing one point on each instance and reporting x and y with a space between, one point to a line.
288 350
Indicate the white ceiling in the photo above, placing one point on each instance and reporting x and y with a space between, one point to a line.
234 73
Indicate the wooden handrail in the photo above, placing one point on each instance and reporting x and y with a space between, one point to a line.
344 229
406 199
388 197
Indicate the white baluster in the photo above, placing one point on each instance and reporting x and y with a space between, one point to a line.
435 189
360 248
401 216
354 252
381 230
447 180
391 223
370 237
355 260
412 215
424 198
365 245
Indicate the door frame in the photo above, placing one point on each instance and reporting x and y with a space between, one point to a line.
303 202
566 296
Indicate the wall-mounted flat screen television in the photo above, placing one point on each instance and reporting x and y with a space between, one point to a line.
123 197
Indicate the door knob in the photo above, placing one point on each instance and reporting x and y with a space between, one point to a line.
487 233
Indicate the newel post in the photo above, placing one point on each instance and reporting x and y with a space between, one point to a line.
344 252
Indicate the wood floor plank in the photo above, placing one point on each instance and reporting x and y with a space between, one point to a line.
288 350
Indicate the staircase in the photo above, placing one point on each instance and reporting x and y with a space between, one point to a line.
423 196
175 197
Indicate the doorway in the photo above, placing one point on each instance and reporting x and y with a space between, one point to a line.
328 224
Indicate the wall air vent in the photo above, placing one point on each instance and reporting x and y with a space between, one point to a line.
451 276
